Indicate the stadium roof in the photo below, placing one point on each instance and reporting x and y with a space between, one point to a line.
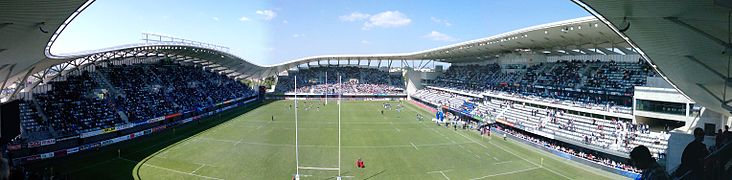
29 28
686 40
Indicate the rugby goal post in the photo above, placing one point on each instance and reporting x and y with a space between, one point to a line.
297 152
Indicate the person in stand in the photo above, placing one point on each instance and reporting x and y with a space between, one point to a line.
641 158
692 159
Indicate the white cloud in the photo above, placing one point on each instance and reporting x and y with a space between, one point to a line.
298 35
387 19
267 14
244 18
285 22
365 42
215 18
440 21
437 36
354 16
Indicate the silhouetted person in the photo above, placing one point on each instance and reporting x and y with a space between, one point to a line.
719 140
641 158
727 134
692 159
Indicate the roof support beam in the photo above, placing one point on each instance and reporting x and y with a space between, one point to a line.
627 51
608 52
709 92
590 52
697 30
710 69
425 64
21 82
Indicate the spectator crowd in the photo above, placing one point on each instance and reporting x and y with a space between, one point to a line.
110 95
354 80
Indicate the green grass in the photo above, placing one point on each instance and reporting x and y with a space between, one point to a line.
251 146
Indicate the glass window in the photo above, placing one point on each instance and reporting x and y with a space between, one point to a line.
661 107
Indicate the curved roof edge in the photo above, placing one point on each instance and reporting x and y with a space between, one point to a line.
439 53
554 37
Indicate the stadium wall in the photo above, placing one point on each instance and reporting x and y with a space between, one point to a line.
413 80
610 57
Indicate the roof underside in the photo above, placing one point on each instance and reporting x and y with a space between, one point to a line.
25 49
684 39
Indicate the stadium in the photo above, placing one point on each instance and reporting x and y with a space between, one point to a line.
637 90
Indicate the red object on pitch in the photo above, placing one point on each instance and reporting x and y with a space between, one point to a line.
359 163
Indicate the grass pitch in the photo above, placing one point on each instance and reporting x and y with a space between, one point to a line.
252 146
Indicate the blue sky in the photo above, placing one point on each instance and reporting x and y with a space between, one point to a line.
269 32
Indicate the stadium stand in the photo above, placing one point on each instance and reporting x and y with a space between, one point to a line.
606 86
580 129
596 84
564 147
356 80
111 95
73 107
619 135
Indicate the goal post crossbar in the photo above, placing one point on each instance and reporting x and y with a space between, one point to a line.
318 168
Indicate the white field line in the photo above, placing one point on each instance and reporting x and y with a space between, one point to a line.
173 170
441 172
443 175
199 167
415 147
504 162
504 149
